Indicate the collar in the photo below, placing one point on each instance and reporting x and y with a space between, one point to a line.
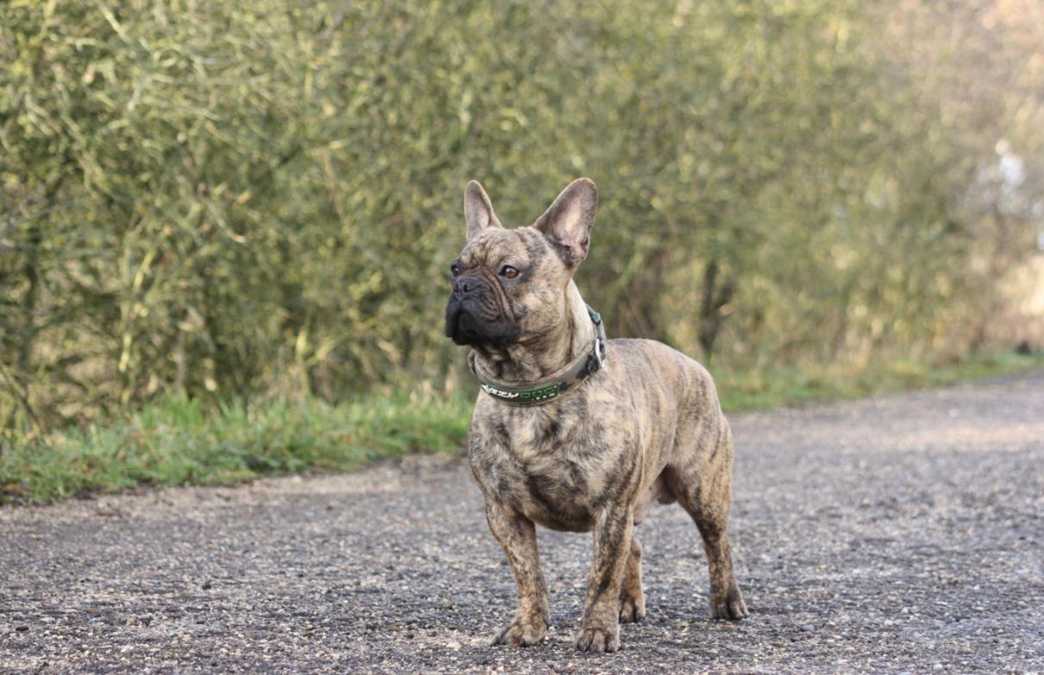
552 386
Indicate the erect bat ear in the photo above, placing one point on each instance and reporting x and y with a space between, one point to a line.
567 222
478 210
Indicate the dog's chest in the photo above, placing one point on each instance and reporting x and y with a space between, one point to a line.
556 469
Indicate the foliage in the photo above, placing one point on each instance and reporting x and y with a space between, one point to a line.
229 200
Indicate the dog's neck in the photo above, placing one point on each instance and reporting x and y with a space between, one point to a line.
543 355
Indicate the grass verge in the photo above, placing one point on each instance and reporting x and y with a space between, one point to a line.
176 441
758 390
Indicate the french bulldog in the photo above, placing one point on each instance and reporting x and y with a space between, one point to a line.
574 432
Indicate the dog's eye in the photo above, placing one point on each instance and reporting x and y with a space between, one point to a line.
508 272
455 269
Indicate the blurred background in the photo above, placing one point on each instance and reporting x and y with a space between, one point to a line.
248 200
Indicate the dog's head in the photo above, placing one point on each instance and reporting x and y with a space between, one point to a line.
509 285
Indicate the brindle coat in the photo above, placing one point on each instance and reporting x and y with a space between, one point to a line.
647 426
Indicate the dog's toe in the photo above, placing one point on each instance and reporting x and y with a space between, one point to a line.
729 606
598 640
522 633
632 610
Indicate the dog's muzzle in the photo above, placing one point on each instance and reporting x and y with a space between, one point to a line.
472 315
460 324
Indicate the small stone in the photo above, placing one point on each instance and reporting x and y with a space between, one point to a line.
21 628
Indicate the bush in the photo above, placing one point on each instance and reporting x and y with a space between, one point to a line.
223 200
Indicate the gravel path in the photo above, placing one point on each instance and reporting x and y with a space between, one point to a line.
903 533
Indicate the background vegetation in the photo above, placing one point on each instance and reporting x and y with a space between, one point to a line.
247 202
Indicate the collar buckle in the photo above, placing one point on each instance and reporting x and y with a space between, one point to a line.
600 351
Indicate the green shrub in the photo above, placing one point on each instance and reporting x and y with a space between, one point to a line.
231 200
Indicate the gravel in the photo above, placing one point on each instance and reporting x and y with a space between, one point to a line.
897 534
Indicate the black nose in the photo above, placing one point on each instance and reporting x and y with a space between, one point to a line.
463 285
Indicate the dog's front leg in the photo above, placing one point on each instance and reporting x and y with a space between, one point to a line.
517 536
600 630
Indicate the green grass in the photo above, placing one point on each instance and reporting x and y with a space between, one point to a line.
758 390
176 441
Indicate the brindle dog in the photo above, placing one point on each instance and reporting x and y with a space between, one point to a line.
647 425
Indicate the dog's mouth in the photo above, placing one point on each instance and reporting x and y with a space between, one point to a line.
460 325
464 331
464 328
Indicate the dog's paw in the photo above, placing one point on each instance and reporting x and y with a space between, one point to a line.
729 606
522 632
632 609
598 639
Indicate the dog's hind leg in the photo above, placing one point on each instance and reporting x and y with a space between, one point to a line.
705 492
726 601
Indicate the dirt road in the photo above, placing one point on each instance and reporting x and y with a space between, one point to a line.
904 533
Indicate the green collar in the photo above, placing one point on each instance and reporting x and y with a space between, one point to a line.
556 384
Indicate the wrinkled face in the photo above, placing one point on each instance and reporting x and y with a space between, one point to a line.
508 285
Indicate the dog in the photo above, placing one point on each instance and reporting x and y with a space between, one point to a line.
575 432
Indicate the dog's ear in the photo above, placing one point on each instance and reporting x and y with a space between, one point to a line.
478 210
567 222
